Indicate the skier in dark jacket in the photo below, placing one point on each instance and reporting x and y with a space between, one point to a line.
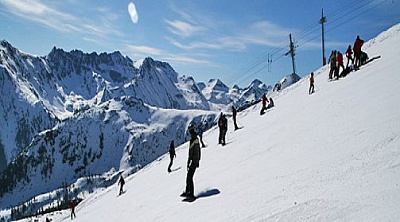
223 128
234 113
193 163
332 62
172 155
121 182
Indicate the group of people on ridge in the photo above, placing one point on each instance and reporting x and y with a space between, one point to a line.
336 60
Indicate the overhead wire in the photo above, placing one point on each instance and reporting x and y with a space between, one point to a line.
354 15
353 10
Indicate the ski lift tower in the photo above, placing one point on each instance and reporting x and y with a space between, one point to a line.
292 53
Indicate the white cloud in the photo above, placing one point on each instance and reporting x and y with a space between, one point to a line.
132 12
183 29
41 12
262 33
184 59
146 50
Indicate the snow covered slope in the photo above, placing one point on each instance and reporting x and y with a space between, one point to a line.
71 115
330 156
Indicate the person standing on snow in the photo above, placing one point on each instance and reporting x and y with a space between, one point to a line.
192 163
339 64
311 89
264 104
121 182
332 62
223 128
234 113
73 215
357 51
172 155
349 56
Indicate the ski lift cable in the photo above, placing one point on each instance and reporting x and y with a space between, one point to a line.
309 30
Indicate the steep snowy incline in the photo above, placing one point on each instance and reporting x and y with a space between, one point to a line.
331 156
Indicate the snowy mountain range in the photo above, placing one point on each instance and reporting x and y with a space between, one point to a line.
70 115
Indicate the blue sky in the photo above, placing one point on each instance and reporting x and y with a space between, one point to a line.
225 39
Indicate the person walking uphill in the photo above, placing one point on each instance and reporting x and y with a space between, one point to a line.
172 155
192 163
234 113
311 89
121 182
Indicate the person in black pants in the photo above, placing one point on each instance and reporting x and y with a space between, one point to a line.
193 163
234 114
223 128
311 89
172 155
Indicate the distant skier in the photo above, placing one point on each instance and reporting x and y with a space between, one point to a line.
192 163
47 219
234 113
357 51
349 56
264 104
311 89
223 128
172 155
73 215
121 182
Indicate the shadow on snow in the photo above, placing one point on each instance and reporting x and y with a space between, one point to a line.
208 193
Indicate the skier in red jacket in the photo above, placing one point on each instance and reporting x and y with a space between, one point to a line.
349 55
311 89
73 210
357 51
339 63
264 104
